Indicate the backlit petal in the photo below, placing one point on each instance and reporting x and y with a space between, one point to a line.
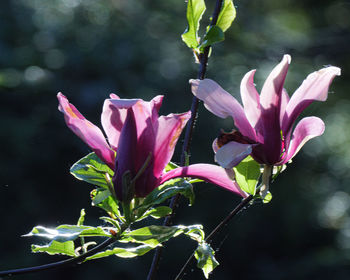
208 172
314 87
86 131
232 154
221 103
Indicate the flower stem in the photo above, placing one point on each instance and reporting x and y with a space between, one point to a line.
223 223
203 60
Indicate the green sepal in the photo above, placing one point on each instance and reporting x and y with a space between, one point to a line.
247 174
226 15
195 10
214 35
65 233
206 261
92 170
165 191
155 235
129 252
55 247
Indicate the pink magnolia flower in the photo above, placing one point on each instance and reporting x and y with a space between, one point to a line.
265 122
140 143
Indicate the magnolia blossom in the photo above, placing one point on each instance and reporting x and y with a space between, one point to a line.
140 144
265 122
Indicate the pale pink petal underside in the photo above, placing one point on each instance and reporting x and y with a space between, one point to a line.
221 103
232 153
305 130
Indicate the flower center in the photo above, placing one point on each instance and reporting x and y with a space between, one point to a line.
235 136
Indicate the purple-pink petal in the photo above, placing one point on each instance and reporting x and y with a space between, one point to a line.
314 87
232 153
250 98
208 172
86 131
167 134
305 130
221 103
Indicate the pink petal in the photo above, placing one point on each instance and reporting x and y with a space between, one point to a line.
169 130
250 98
270 100
222 104
86 131
284 102
232 153
315 87
208 172
305 130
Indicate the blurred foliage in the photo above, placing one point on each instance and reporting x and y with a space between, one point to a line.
88 49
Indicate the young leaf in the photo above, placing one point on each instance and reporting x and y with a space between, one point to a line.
247 174
92 170
102 198
122 252
55 247
156 213
205 258
81 218
226 16
65 233
214 35
165 191
195 10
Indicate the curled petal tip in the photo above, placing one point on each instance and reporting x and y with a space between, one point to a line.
287 58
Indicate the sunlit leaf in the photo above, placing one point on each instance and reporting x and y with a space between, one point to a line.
81 218
155 235
247 174
227 15
55 247
65 233
165 191
102 198
267 198
130 252
214 35
156 213
92 170
205 258
195 10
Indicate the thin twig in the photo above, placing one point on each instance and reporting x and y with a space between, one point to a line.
60 264
223 223
203 59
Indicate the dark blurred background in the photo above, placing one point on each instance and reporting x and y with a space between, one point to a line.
88 49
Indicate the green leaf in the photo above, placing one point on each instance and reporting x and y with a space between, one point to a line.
156 213
214 35
165 191
205 258
226 16
247 174
155 235
113 222
122 252
195 10
170 166
65 233
102 198
55 247
92 170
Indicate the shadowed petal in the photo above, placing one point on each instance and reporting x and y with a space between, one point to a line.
315 87
221 103
270 100
232 153
169 130
284 102
305 130
127 153
86 131
208 172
